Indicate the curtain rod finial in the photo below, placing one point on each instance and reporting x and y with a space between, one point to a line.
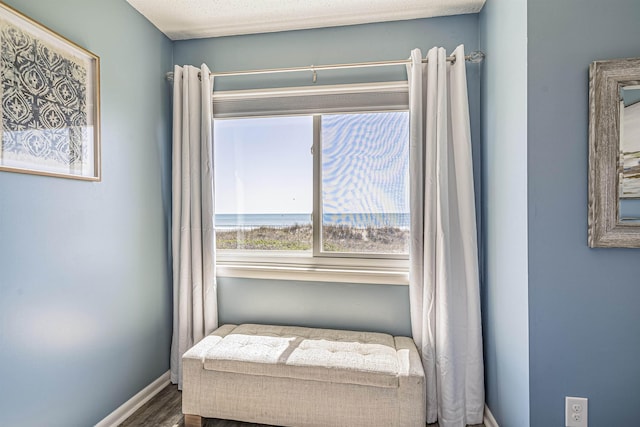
476 56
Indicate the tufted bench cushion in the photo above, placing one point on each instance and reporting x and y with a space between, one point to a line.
309 354
293 376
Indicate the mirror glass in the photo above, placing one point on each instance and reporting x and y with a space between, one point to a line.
629 166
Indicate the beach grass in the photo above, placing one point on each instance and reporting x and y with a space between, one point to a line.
336 238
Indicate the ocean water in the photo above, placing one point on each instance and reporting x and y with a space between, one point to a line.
358 220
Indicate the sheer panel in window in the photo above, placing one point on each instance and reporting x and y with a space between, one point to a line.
365 183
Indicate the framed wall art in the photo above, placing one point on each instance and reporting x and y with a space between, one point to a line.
49 101
614 153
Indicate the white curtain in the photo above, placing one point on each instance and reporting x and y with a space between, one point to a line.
195 305
444 283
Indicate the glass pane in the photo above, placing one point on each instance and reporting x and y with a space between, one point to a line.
365 183
629 176
264 183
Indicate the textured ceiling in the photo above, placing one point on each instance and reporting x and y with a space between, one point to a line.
187 19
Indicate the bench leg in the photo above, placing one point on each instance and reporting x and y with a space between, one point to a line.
192 420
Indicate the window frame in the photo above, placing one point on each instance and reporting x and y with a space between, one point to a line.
316 265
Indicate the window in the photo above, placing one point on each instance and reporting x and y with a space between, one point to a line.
264 172
322 190
364 169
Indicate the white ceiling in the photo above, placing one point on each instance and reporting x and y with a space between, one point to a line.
188 19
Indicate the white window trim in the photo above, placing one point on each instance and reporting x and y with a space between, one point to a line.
315 272
353 98
316 266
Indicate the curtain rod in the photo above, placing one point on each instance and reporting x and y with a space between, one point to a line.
475 57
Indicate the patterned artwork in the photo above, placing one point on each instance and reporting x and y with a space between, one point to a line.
49 101
44 102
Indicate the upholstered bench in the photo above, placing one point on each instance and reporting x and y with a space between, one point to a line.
291 376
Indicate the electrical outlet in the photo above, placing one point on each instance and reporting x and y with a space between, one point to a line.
576 411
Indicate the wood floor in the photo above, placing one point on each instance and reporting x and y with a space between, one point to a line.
165 410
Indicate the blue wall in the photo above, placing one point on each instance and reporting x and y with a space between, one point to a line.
503 37
583 303
364 307
85 298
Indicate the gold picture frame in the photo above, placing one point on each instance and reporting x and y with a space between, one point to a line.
49 101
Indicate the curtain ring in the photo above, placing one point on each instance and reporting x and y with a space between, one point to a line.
315 75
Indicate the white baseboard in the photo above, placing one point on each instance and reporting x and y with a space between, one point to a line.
489 420
130 406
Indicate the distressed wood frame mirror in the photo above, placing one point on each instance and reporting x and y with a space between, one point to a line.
614 153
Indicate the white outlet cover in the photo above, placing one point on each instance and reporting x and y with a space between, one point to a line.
576 411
